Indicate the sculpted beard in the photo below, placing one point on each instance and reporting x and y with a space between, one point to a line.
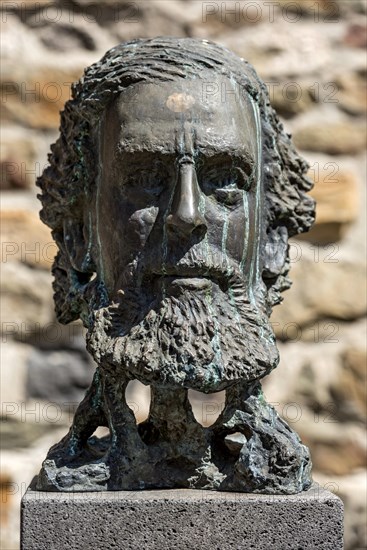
187 336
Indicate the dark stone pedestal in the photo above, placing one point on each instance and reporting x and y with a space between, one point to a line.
182 519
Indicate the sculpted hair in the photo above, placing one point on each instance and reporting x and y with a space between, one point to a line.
68 182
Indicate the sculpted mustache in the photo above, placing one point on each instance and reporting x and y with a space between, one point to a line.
193 265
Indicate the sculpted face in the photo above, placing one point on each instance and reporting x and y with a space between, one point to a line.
173 181
177 219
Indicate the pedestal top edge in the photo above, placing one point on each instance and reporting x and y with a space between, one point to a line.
315 493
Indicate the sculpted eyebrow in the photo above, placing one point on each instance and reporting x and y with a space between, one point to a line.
145 158
141 154
245 161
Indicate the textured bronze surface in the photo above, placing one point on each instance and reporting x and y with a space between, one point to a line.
172 192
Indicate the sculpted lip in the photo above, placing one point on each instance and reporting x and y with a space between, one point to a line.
188 278
192 281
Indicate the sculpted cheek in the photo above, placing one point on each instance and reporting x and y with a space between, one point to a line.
236 234
141 224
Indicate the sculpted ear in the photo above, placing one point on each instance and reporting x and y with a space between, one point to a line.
77 241
275 253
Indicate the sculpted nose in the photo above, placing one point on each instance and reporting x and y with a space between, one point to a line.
184 217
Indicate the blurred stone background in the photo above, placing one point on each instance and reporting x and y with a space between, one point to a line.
311 53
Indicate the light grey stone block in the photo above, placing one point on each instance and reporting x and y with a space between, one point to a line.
181 519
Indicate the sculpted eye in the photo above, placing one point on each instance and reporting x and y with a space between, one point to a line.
148 181
225 184
243 180
151 183
229 195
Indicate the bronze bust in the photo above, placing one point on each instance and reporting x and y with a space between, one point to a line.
171 193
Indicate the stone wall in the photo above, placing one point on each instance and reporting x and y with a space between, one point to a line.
311 55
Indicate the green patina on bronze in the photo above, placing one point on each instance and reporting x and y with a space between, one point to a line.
171 193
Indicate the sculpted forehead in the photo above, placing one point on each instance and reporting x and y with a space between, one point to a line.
185 114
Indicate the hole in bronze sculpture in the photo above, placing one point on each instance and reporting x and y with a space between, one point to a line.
174 181
206 408
99 442
138 399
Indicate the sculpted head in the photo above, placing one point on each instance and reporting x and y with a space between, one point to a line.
172 192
